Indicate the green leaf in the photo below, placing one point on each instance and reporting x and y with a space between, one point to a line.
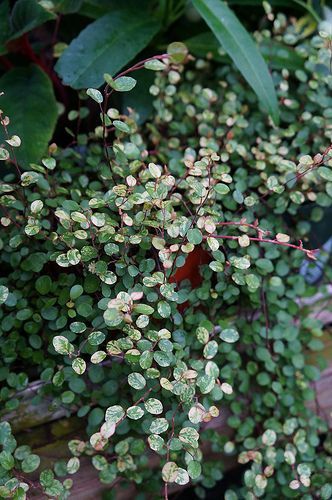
182 476
136 380
143 309
216 266
164 309
229 335
210 349
194 469
159 425
75 292
78 327
105 45
36 206
98 357
269 437
221 188
153 406
135 412
155 65
62 345
73 465
239 45
112 317
122 126
95 95
177 52
156 442
4 154
189 435
32 119
4 292
194 236
170 472
325 173
114 414
27 15
7 460
30 463
79 365
96 338
123 84
206 384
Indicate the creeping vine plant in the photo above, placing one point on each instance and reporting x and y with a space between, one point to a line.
94 302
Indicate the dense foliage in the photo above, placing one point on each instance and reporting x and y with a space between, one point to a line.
98 300
50 47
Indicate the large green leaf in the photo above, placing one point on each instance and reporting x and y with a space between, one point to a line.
30 104
105 46
276 54
27 15
237 42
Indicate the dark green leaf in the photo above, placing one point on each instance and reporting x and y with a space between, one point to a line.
106 45
239 45
32 119
27 15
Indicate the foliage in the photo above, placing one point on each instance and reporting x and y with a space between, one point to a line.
74 42
98 303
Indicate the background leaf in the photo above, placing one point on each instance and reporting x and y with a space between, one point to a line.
32 119
105 46
237 42
27 15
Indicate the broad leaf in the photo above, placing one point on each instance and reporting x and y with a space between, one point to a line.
237 42
105 46
29 102
27 15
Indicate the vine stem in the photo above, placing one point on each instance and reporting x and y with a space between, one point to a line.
309 253
108 92
244 223
140 64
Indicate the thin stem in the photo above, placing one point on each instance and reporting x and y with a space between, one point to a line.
244 224
108 92
140 64
135 67
309 253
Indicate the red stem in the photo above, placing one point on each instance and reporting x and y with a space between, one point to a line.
309 253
